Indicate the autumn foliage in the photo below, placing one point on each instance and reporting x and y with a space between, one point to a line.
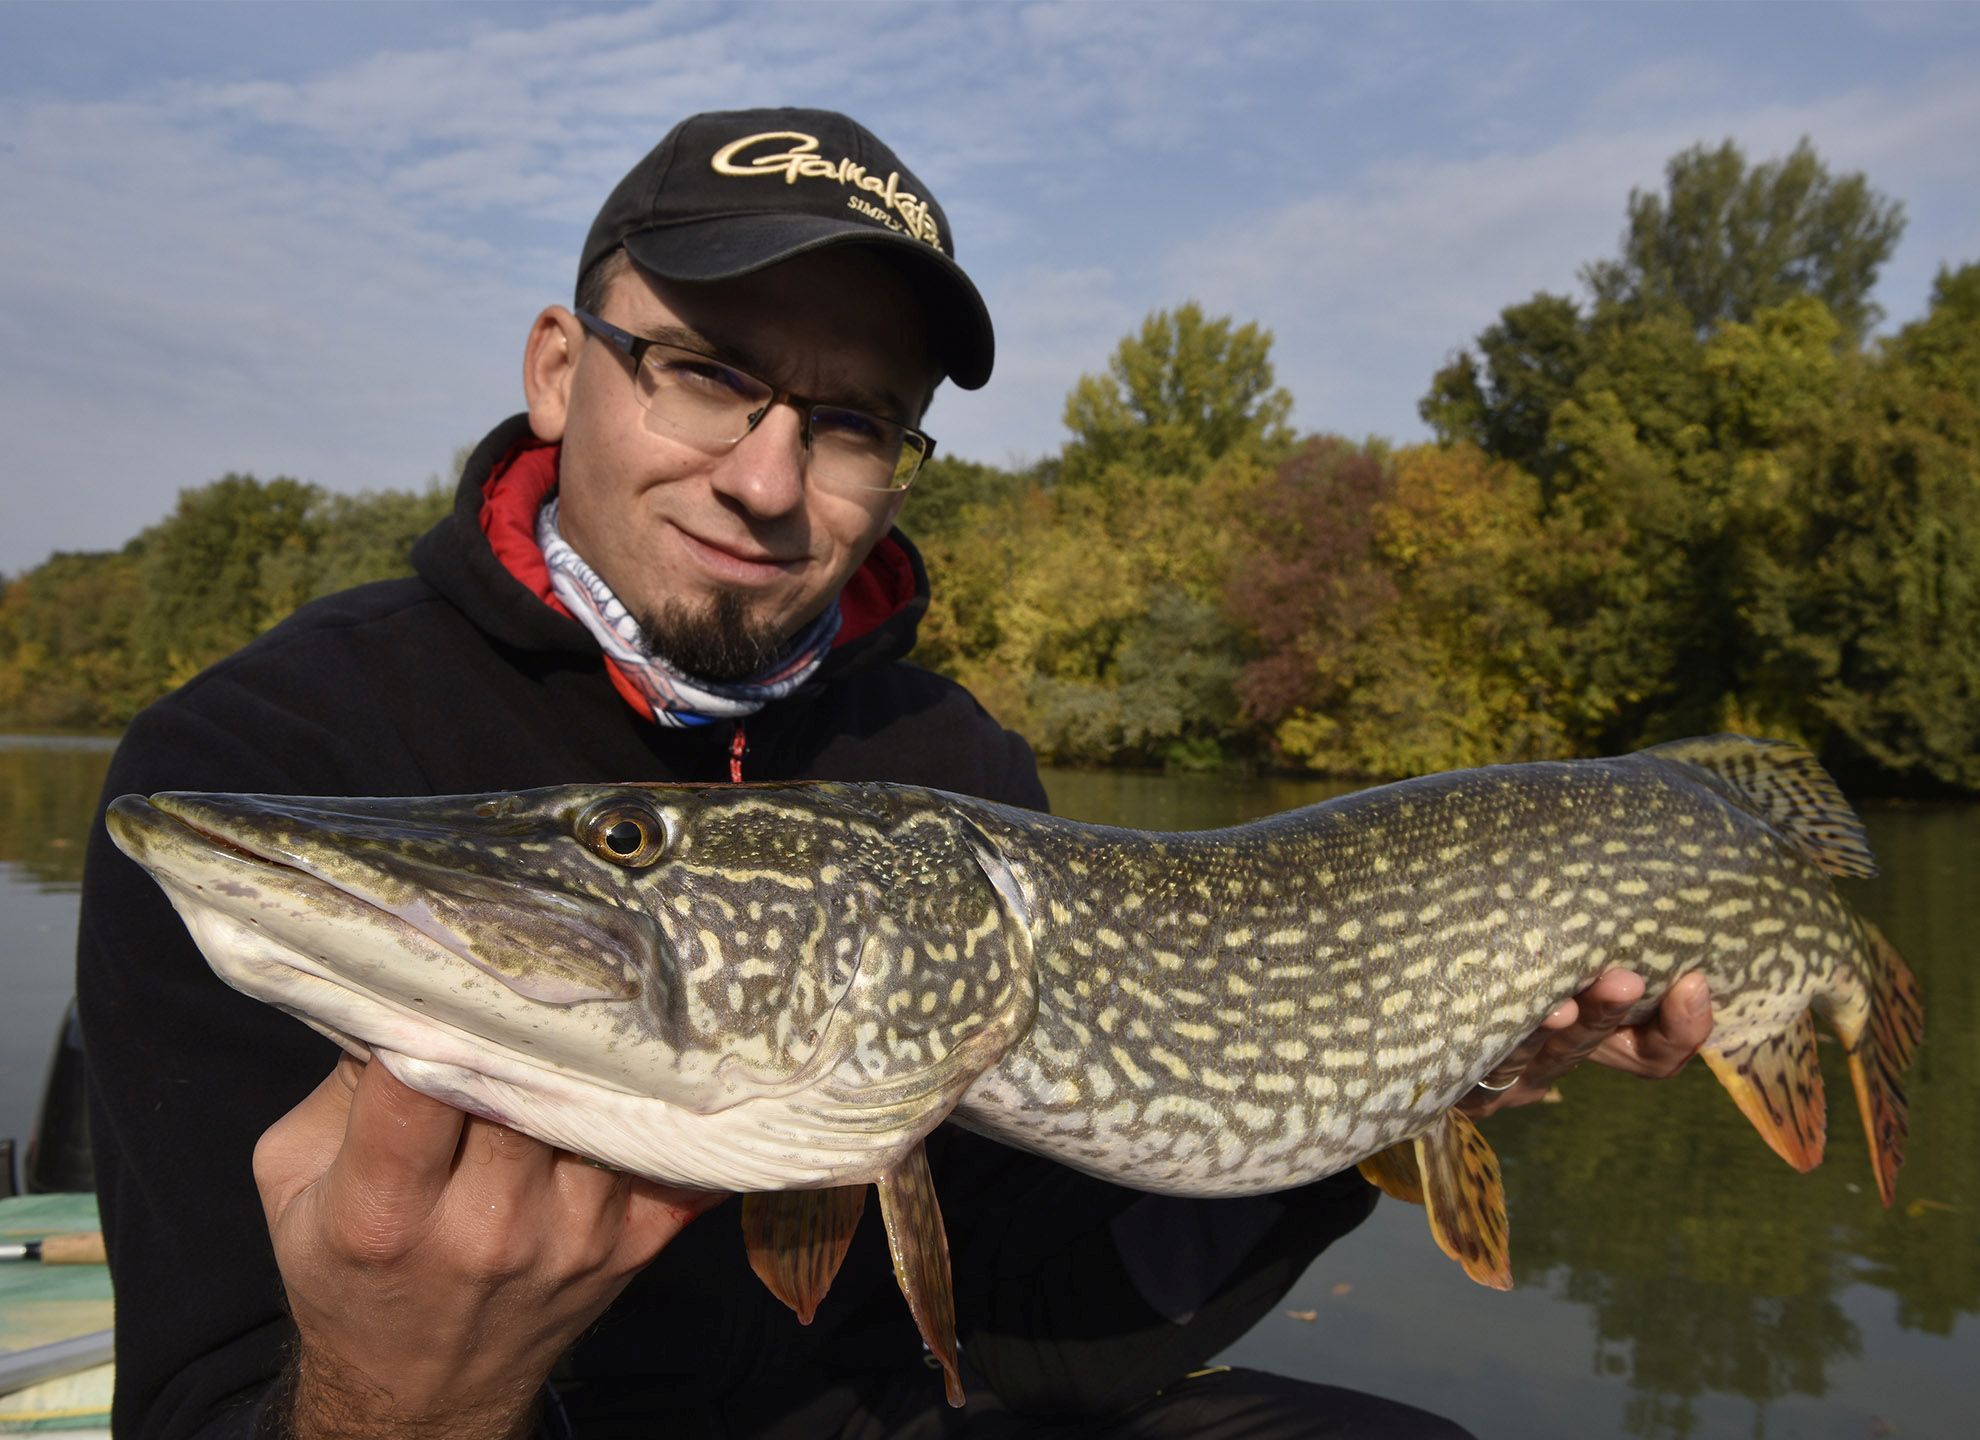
1701 496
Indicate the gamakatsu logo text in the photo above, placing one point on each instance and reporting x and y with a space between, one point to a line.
801 160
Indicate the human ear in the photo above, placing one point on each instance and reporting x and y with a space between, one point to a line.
549 366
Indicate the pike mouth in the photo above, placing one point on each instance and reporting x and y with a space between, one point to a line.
170 812
272 967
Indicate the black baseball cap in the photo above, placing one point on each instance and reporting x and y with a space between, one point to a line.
729 192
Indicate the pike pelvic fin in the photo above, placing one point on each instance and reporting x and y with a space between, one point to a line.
1790 789
1465 1198
920 1248
1882 1045
797 1239
1776 1081
1393 1171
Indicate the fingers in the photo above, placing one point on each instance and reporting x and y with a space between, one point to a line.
1591 1027
389 1171
1660 1047
399 1146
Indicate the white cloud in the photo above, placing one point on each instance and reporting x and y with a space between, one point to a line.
331 275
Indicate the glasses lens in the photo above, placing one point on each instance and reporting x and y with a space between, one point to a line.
851 450
705 401
709 404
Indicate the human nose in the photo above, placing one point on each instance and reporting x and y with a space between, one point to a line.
764 471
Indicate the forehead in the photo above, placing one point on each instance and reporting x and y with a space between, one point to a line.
829 325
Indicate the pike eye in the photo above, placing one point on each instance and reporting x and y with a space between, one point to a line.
626 834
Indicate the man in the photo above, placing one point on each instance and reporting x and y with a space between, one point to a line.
680 565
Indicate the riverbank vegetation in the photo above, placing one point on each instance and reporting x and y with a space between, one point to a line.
1700 494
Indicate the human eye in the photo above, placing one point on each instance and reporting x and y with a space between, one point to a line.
699 375
854 427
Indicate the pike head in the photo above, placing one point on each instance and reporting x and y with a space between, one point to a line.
749 988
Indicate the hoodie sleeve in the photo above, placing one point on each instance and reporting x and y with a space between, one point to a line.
185 1074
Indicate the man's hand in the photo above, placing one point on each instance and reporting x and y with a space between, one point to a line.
438 1264
1589 1027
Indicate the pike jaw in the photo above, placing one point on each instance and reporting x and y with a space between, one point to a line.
700 985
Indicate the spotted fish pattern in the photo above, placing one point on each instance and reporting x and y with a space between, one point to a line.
1227 1012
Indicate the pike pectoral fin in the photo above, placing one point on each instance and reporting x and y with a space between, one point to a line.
1884 1042
921 1259
1393 1171
1777 1083
1466 1200
797 1238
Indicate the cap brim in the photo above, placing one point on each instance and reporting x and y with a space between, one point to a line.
730 246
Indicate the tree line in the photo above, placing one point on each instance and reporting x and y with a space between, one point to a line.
1698 495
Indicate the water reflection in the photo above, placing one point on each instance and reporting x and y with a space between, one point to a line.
48 792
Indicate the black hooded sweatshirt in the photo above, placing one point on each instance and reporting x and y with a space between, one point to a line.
1074 1297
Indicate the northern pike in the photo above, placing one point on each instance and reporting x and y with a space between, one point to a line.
782 989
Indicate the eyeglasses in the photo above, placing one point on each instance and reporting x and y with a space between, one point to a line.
712 405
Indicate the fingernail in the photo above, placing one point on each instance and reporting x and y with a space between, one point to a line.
1699 1001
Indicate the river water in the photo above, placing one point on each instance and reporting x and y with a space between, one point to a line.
1673 1278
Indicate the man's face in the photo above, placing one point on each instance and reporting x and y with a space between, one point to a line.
724 557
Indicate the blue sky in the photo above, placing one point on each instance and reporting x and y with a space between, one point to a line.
309 239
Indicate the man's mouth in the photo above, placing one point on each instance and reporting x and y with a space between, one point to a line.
742 562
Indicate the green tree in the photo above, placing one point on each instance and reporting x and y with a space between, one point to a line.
1183 392
1944 346
1081 600
86 641
356 539
1867 611
1727 240
950 494
66 660
229 561
1504 401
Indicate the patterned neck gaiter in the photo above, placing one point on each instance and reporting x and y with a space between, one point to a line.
676 699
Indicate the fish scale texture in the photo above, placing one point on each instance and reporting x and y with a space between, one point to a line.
1233 1012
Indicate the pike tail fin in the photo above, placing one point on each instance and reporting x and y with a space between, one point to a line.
1880 1045
1451 1171
1776 1081
1788 786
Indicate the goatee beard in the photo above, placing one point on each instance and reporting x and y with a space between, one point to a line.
715 641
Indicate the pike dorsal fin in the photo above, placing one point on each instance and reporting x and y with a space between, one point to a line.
921 1259
1776 1081
1788 786
797 1239
1466 1199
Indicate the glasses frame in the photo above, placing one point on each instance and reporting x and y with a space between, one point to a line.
635 347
